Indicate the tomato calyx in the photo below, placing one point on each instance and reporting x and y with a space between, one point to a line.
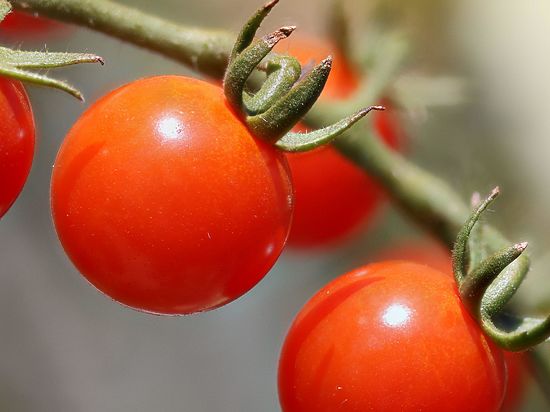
18 64
286 94
487 280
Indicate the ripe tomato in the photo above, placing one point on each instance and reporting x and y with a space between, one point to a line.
19 24
165 202
16 141
438 257
392 336
333 196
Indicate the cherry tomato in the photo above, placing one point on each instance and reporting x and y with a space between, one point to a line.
17 141
20 24
165 202
438 257
391 336
333 196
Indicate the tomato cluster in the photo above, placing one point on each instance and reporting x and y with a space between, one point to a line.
167 203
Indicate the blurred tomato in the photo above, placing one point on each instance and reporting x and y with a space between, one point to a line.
433 254
17 140
23 25
333 196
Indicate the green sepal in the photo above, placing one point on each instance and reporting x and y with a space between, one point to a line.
286 94
515 333
44 60
242 66
247 33
504 287
301 142
490 284
460 250
475 283
15 64
40 80
282 72
478 250
288 110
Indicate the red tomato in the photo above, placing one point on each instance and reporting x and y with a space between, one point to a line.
438 257
333 196
165 202
392 336
20 24
16 141
517 381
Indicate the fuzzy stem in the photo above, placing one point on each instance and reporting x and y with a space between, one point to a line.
206 51
427 199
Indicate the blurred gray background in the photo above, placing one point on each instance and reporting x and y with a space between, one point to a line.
65 347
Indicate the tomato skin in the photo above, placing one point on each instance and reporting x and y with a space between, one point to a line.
17 141
333 195
21 24
165 202
391 336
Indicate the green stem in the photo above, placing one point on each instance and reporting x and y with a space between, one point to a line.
206 51
427 199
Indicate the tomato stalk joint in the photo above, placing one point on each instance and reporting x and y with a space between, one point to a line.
487 279
287 92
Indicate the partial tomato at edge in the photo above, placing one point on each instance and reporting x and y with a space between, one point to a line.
19 24
165 202
17 141
333 196
391 336
433 254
